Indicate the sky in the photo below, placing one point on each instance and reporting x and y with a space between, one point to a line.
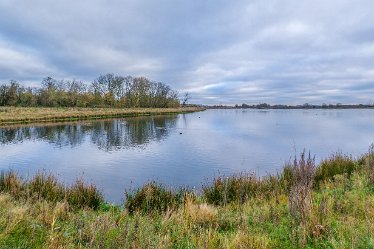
221 52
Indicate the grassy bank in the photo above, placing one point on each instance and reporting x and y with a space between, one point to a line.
17 115
330 205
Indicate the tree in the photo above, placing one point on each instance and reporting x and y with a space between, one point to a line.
49 84
186 98
48 94
106 90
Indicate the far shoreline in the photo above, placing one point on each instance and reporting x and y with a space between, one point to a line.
30 115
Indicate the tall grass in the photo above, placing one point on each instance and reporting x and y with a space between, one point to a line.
336 164
287 210
369 161
300 196
236 188
10 183
81 195
152 197
45 187
241 187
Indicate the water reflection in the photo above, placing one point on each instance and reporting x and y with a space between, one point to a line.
182 150
106 135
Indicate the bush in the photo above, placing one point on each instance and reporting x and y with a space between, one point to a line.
151 198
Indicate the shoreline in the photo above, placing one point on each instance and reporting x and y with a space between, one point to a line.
30 115
304 206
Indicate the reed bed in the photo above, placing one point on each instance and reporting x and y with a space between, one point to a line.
330 205
16 115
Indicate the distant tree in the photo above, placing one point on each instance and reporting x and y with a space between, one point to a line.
106 90
263 105
49 84
12 93
306 105
186 98
48 95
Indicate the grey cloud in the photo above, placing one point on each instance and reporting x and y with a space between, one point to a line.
222 52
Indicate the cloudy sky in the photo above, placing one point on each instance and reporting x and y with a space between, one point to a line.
222 52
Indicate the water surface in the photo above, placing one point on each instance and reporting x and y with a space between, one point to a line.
184 149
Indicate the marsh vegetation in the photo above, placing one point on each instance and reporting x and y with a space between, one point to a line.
305 205
20 115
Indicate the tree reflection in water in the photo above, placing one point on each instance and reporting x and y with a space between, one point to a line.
107 135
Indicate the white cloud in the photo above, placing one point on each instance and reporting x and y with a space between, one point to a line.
18 63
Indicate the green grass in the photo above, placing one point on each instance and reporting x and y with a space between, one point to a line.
288 210
150 198
45 187
337 164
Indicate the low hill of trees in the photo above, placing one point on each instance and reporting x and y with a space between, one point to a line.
106 91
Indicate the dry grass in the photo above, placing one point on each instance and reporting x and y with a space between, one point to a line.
200 213
14 115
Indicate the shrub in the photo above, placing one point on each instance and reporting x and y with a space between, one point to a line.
152 197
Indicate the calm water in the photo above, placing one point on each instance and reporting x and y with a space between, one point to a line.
182 149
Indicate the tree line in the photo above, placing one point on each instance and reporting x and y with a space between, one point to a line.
107 90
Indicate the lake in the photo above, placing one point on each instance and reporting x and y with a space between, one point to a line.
181 150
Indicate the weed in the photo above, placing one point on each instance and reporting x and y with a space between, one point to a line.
300 196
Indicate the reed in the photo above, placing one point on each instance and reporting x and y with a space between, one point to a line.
45 187
152 197
81 195
236 188
10 183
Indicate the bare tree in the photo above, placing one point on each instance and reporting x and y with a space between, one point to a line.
186 98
